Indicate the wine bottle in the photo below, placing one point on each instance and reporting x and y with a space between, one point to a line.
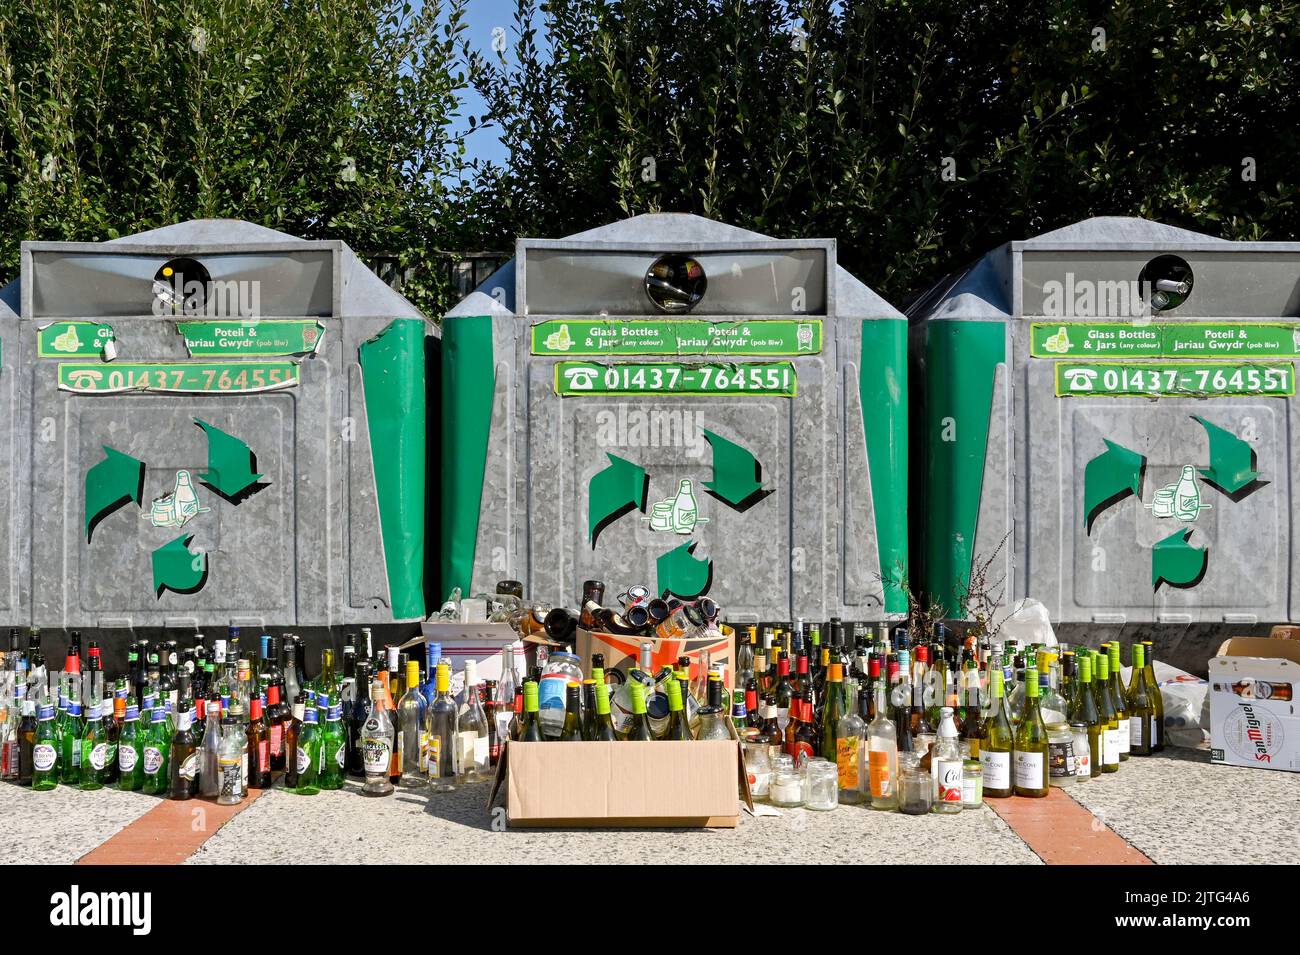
1141 711
1030 757
998 743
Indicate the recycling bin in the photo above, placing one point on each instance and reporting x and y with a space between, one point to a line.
220 425
12 603
676 403
1107 420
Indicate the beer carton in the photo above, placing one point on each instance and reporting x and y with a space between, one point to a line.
621 652
1254 719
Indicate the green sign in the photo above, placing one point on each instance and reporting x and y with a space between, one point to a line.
1155 379
72 340
590 378
1205 340
653 336
178 377
261 339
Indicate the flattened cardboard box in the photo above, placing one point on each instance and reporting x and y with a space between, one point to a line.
623 784
621 652
1254 714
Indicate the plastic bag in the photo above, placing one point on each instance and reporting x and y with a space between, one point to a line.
1026 622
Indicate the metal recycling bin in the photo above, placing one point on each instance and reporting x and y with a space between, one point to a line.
219 425
13 600
676 403
1116 400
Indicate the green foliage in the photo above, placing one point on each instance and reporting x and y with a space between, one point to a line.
805 119
123 115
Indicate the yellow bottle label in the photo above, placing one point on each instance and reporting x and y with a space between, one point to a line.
846 759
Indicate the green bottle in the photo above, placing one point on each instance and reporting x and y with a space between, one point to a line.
1030 760
677 728
837 705
1106 714
1141 709
154 749
531 729
1157 699
1120 698
334 747
603 727
70 742
129 758
1084 710
639 729
45 753
571 731
998 743
94 750
308 753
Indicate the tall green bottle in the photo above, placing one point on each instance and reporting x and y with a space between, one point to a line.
94 749
1141 711
334 746
154 750
837 705
1106 714
308 754
70 733
45 753
130 761
1084 710
1030 761
999 742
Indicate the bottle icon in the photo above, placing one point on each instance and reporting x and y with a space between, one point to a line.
685 508
1187 495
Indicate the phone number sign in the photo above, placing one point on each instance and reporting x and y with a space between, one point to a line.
1155 380
97 378
574 378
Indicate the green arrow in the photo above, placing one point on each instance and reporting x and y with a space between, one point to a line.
1232 460
231 465
1176 562
110 484
177 570
679 572
613 492
1109 478
737 475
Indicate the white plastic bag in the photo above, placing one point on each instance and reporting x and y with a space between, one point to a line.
1027 621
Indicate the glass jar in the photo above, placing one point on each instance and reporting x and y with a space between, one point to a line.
821 785
787 783
1061 769
758 767
1082 752
915 787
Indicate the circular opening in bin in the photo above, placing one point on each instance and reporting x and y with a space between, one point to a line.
675 283
1166 282
180 286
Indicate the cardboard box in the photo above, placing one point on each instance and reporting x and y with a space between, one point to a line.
1254 720
623 784
621 652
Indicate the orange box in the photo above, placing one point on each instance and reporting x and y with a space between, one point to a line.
621 652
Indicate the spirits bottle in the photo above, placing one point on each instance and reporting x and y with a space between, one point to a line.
850 750
232 760
442 730
410 721
376 747
882 755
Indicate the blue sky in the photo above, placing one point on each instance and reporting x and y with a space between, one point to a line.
482 16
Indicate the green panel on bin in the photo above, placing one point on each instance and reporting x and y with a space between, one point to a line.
882 386
467 389
392 372
960 361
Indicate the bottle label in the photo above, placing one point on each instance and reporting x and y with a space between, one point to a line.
1060 759
1029 770
846 759
997 769
435 754
972 790
304 759
232 775
1136 724
341 755
263 756
153 760
126 758
948 777
759 784
481 745
424 751
1156 735
1122 737
277 739
376 754
99 756
1109 747
43 757
882 785
190 768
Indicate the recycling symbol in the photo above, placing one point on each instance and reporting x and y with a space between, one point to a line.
119 479
1118 472
623 487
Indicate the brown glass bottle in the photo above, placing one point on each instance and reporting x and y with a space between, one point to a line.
259 747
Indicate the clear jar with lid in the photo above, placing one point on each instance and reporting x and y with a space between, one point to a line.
821 786
915 786
758 765
787 783
972 779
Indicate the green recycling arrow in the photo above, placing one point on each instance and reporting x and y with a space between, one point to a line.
737 475
110 484
177 570
1174 561
231 465
1109 478
1232 460
613 492
681 573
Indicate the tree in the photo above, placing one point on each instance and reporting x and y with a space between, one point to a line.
324 120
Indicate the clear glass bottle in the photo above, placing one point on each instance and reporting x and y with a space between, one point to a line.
441 729
882 758
230 760
850 755
473 756
412 742
376 745
946 765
